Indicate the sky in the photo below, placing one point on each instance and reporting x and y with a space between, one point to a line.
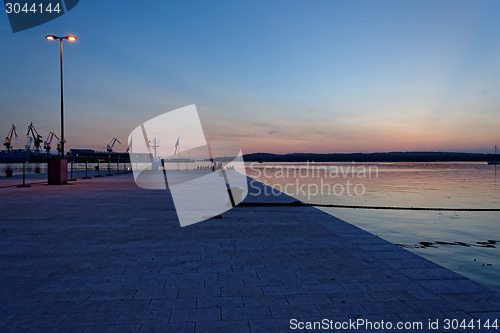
277 76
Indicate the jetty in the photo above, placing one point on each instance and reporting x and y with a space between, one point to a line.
102 255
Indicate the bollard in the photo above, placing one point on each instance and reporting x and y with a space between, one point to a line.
109 174
117 169
24 177
86 171
118 166
72 179
98 169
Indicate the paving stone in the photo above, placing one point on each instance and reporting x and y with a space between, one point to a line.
112 328
183 327
424 294
224 301
298 280
104 285
358 286
124 305
242 291
77 296
386 307
327 287
266 300
91 318
395 253
271 325
360 297
224 284
105 295
436 273
245 313
210 314
308 299
283 290
184 284
351 309
294 311
426 306
144 317
227 326
75 307
35 321
156 293
25 307
58 329
410 263
199 292
453 286
172 303
260 282
472 302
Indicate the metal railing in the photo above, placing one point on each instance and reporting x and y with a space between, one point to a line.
25 174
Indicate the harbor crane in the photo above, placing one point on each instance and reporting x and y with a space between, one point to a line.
48 143
35 138
111 144
8 140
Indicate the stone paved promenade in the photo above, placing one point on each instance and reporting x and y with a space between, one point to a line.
103 255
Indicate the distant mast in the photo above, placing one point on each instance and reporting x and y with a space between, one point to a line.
495 161
155 163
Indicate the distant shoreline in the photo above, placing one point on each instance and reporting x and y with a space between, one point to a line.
371 157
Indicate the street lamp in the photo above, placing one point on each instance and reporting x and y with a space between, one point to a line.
70 38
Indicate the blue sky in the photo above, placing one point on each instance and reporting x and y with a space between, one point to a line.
270 76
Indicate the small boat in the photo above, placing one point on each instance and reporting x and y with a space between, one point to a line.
495 161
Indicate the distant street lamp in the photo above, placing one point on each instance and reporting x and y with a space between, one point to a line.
70 38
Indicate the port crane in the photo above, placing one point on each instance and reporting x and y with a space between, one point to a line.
35 138
8 140
48 143
111 144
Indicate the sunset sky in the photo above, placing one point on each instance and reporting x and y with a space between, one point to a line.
274 76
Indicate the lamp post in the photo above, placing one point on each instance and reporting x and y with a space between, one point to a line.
58 169
70 38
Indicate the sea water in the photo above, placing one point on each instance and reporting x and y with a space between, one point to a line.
467 242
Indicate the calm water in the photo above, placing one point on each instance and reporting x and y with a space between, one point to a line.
465 242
